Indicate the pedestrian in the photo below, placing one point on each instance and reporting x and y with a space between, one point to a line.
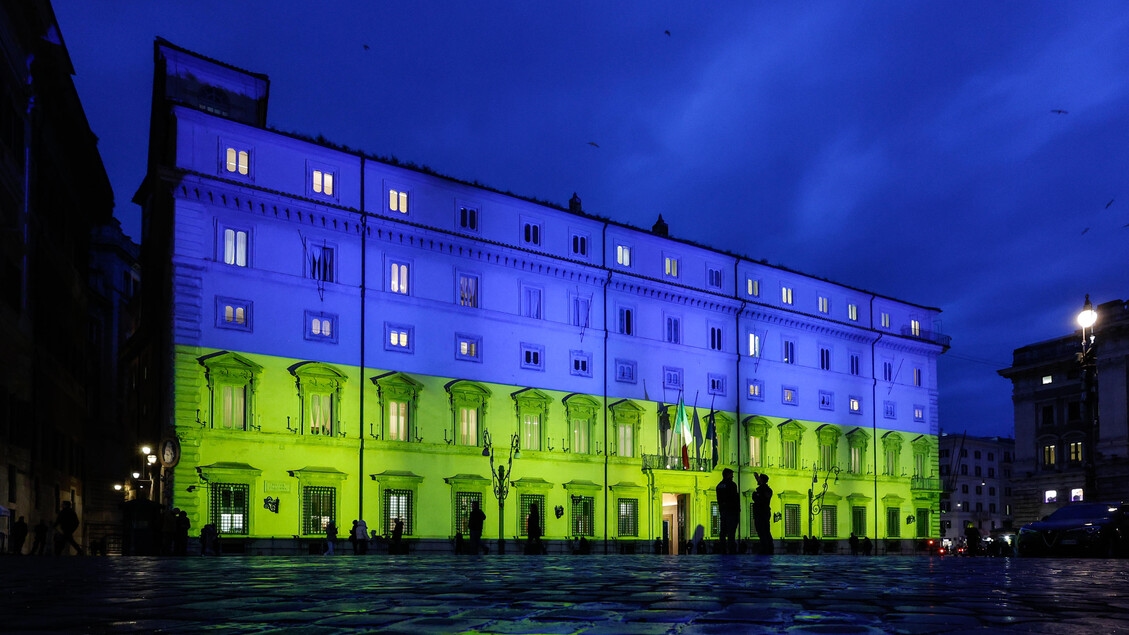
208 536
867 546
19 535
67 523
533 530
474 526
729 508
353 538
362 537
180 538
972 539
853 541
762 513
396 545
330 537
39 543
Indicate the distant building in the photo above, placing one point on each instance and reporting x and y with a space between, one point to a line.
977 476
329 335
53 191
1067 447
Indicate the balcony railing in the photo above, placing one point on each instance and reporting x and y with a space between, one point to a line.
929 336
925 483
660 462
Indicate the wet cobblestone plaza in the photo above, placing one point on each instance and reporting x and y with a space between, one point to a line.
562 594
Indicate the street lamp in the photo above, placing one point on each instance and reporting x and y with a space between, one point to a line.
1087 359
815 501
501 478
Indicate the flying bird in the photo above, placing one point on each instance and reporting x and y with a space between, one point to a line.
667 31
1058 111
593 144
1085 230
1109 203
366 47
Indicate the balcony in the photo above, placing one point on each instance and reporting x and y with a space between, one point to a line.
674 463
929 336
925 484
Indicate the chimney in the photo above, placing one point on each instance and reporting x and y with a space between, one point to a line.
660 228
574 204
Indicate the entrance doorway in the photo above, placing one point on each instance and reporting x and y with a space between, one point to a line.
675 519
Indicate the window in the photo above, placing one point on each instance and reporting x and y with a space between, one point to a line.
229 507
789 458
1047 379
579 244
715 384
233 314
237 161
786 295
319 262
919 413
715 338
628 517
885 320
789 354
824 304
858 520
531 431
319 506
756 451
531 302
892 447
893 522
754 345
855 404
583 516
1049 455
670 266
830 516
580 363
532 356
581 311
398 278
398 394
319 388
672 333
623 255
626 321
1075 448
672 377
468 290
853 312
752 287
580 411
825 358
755 390
917 377
625 371
468 219
398 338
397 421
915 328
715 519
464 505
964 488
625 440
467 427
854 465
826 400
791 520
625 417
531 233
527 505
855 363
235 247
398 506
888 371
1075 495
321 182
1050 496
466 347
320 327
889 410
397 201
713 278
231 379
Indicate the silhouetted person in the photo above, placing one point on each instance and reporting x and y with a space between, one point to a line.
208 540
353 538
474 525
19 535
533 530
762 513
658 546
853 541
180 540
972 539
40 541
330 537
397 545
584 548
729 509
67 523
460 544
867 546
361 533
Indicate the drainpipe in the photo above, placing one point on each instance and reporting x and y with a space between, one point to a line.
874 412
361 381
607 281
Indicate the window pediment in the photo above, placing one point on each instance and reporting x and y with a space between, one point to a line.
228 367
397 386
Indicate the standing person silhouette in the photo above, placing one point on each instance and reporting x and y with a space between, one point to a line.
762 513
67 522
533 530
729 508
330 538
474 526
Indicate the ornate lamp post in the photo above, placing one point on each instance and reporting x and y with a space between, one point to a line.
815 501
501 478
1087 318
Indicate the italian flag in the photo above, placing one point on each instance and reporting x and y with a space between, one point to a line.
682 429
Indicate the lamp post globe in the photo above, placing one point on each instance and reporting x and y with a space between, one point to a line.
1087 317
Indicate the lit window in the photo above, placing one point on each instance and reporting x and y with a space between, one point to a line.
1049 455
398 506
397 201
397 420
753 287
756 451
824 304
885 320
754 345
755 390
670 267
237 161
1076 495
789 355
319 506
468 290
628 517
856 405
919 413
786 295
319 262
623 255
583 516
322 182
1047 379
625 439
790 395
229 507
1050 496
397 338
915 328
853 312
321 326
1075 449
398 282
466 347
233 314
235 247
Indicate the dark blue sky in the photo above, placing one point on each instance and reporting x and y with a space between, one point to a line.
909 148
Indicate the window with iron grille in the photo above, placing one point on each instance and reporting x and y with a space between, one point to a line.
791 520
715 519
229 508
318 508
922 522
583 516
628 517
858 520
525 502
893 522
464 503
398 504
830 521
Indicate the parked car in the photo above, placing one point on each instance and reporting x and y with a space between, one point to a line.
1079 529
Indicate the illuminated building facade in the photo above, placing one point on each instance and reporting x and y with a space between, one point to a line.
337 336
977 473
